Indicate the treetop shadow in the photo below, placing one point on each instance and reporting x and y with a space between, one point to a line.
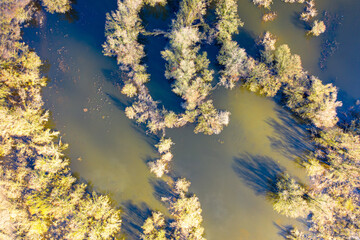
260 173
290 136
133 217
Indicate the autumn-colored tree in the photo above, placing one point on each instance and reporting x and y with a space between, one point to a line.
42 199
59 6
318 28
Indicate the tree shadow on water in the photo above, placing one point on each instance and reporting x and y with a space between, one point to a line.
162 189
247 40
133 217
298 23
113 76
258 172
290 137
285 230
121 103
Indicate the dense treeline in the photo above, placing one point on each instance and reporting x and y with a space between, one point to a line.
331 201
39 199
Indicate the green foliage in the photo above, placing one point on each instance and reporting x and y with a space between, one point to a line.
316 103
332 197
235 62
306 96
187 214
190 11
160 166
260 79
263 3
164 145
231 56
268 41
171 119
211 121
129 90
189 69
185 66
318 28
288 66
186 211
228 20
153 227
122 29
59 6
289 197
43 199
155 2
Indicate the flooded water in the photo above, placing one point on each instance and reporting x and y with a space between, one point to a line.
339 43
229 172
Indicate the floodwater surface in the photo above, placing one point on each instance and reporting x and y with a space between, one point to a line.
229 172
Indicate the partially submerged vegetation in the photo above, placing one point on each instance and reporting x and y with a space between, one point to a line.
188 68
185 211
122 30
330 202
310 12
333 196
277 72
40 199
318 28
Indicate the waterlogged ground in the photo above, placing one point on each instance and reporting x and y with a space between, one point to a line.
229 171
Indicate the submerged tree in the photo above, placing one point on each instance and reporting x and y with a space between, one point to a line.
60 6
231 56
317 103
154 227
318 28
332 197
263 3
186 211
289 197
310 11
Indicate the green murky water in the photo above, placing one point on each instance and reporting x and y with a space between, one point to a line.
228 171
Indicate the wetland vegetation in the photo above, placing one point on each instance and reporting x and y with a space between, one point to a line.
40 197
